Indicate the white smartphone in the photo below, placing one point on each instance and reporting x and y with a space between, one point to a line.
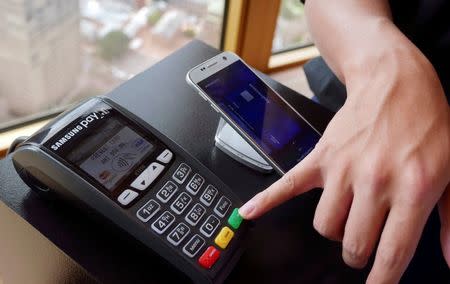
263 118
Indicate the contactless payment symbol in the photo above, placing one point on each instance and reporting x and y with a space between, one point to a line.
123 162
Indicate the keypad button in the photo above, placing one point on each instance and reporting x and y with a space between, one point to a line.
181 173
180 204
224 237
148 176
209 257
208 195
222 206
178 234
165 156
193 246
195 184
167 191
209 226
195 214
235 219
148 210
163 222
127 196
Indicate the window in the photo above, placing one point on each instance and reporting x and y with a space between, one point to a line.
271 35
56 52
291 30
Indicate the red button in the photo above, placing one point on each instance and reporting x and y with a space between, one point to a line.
209 257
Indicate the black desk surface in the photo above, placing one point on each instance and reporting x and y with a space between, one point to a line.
283 246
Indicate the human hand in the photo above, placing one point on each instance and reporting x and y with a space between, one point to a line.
383 161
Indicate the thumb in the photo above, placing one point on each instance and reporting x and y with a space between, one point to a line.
303 177
444 214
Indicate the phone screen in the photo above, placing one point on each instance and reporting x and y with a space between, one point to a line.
279 131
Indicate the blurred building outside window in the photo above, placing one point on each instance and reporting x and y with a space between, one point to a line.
56 52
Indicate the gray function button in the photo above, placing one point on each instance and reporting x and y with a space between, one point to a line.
148 210
180 204
193 246
165 156
209 226
163 222
127 196
195 214
181 173
148 176
178 234
195 184
208 195
222 206
167 191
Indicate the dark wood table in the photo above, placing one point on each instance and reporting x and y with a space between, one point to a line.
283 246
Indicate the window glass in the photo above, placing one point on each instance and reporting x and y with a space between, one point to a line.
56 52
291 30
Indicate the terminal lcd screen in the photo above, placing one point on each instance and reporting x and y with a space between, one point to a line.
111 152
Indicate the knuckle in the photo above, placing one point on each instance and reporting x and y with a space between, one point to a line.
374 176
320 147
326 229
419 183
389 258
288 182
376 186
318 225
355 253
319 155
378 179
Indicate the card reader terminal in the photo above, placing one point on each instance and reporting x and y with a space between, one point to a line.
103 157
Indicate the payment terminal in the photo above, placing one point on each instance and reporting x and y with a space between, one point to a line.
107 160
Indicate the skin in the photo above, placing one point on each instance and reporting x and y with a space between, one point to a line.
384 160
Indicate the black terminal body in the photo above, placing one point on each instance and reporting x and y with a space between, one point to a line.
105 159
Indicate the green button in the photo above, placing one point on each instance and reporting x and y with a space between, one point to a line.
235 219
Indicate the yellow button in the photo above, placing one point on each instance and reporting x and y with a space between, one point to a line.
224 237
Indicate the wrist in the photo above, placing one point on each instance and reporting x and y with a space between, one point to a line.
386 54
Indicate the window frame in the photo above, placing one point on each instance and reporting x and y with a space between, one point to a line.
256 47
292 48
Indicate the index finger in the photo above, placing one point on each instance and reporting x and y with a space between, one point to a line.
303 177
